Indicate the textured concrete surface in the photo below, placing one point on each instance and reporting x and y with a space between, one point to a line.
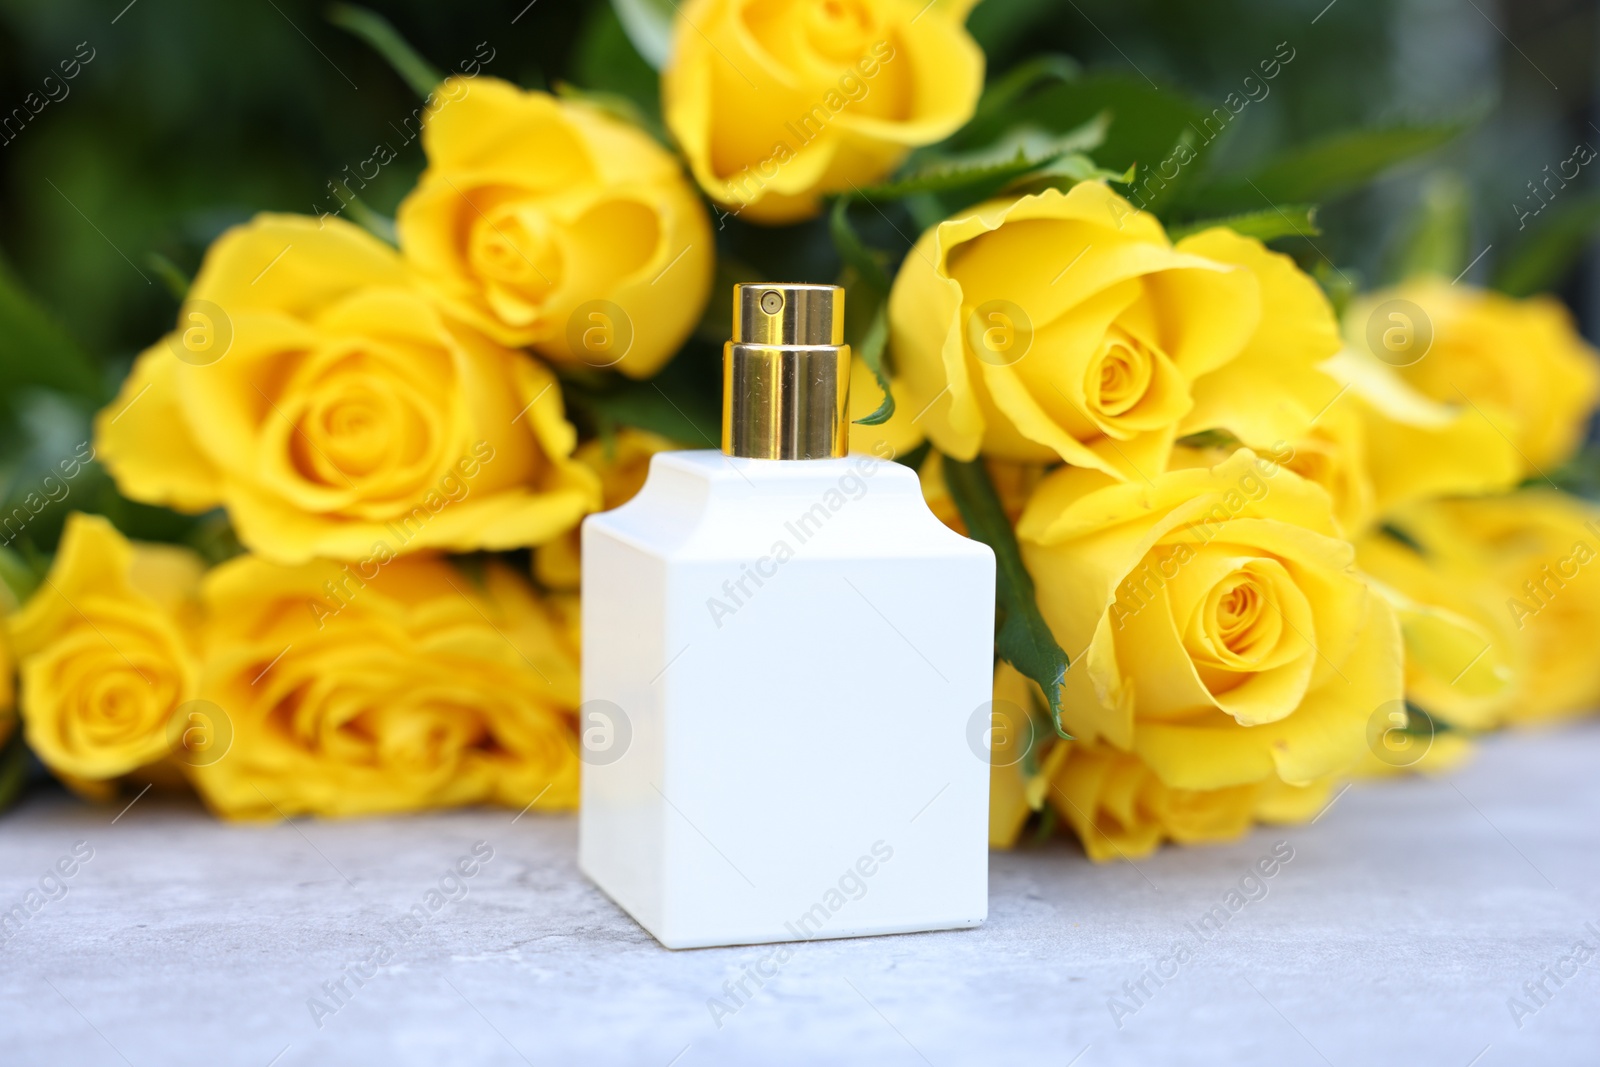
1410 915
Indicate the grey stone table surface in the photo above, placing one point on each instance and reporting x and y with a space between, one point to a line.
1420 921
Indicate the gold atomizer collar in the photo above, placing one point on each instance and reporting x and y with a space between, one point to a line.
786 373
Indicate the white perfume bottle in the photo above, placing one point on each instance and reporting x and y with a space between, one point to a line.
787 669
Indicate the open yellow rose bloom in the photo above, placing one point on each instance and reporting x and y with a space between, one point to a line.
346 416
109 651
1066 327
1216 627
777 105
548 223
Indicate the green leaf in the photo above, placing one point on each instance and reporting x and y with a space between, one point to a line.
1268 224
1023 639
1210 439
1579 475
379 32
373 221
871 353
13 769
1544 256
1437 243
18 580
35 349
1064 173
981 172
1340 285
952 176
1000 94
853 250
1328 166
1145 123
175 280
605 61
866 304
648 24
998 25
672 412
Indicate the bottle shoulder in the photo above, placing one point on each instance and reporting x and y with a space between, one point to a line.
703 504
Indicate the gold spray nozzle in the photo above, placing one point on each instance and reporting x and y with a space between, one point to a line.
786 373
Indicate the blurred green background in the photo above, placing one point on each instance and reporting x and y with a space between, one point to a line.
190 116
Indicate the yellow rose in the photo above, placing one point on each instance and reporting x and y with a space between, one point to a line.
1119 809
621 463
549 223
1525 568
334 412
778 105
1067 326
1215 626
1519 363
107 652
390 687
1460 653
1380 445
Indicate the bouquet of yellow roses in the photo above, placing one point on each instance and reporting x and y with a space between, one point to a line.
1258 531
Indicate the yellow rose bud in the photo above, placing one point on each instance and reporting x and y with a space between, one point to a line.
1066 326
1519 364
778 105
384 687
1214 624
622 463
549 223
106 651
1526 568
314 393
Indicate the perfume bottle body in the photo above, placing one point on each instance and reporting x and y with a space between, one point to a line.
783 666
